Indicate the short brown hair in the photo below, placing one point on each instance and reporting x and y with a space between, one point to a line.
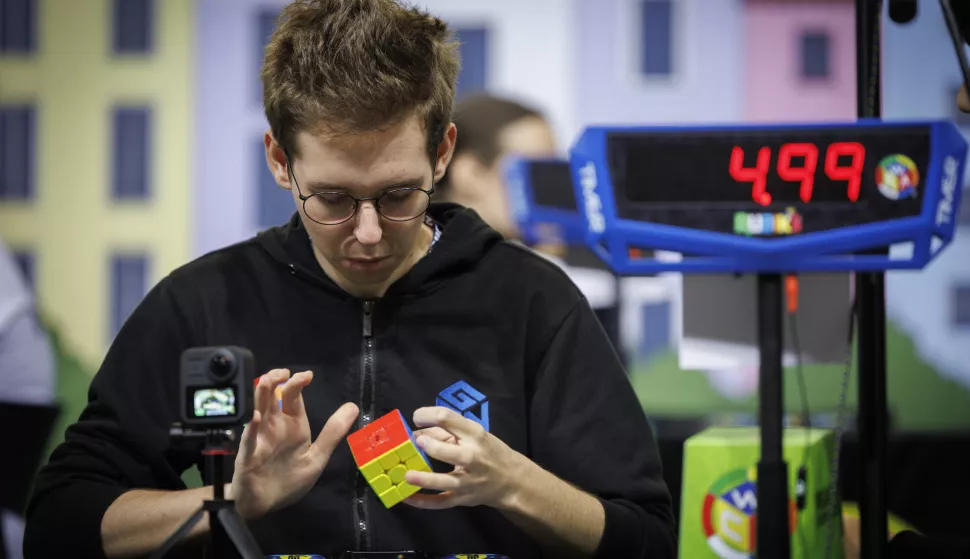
348 66
480 120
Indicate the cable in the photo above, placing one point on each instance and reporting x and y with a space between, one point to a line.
801 489
832 513
835 516
791 287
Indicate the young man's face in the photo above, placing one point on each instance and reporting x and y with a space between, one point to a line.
368 252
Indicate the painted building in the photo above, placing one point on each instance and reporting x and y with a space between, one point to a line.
799 61
656 62
95 146
96 95
688 61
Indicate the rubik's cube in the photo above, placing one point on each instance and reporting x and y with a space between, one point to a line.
384 451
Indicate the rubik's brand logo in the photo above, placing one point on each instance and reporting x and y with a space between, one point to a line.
467 401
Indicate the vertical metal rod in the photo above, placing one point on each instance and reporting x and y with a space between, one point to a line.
773 538
871 294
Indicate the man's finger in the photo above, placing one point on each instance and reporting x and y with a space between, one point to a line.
963 99
432 480
440 501
449 453
291 394
335 430
266 391
247 442
447 419
436 433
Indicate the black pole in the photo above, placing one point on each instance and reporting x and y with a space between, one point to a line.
872 414
773 539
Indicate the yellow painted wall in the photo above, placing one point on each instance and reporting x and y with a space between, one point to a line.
72 225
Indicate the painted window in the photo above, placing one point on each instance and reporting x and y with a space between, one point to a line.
961 305
132 24
473 46
18 26
131 131
129 284
17 157
656 21
815 49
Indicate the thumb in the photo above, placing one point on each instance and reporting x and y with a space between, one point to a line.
335 430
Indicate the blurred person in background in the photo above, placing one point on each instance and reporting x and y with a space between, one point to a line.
490 129
27 368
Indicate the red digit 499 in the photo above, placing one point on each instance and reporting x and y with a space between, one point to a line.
804 171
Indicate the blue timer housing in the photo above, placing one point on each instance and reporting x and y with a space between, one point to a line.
543 201
767 199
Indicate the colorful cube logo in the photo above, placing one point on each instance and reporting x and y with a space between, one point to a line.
384 451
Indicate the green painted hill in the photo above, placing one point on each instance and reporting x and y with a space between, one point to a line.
919 398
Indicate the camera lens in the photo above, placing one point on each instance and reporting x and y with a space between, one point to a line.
222 365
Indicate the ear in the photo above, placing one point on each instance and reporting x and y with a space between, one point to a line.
446 149
276 161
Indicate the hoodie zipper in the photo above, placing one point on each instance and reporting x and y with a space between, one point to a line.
366 416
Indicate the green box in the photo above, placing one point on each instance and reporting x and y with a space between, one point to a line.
719 498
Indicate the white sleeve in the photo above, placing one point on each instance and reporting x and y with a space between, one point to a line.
27 365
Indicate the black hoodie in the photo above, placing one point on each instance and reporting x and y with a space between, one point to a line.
476 310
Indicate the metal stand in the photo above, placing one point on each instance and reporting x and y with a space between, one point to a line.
871 297
229 536
773 535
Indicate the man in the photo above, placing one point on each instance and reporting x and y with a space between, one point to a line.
27 372
365 302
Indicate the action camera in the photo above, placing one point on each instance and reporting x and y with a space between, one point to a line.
217 386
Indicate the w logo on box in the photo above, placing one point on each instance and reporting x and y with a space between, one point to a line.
465 400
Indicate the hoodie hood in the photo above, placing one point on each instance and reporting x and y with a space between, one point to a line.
465 239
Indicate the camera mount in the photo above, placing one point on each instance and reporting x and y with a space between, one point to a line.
229 537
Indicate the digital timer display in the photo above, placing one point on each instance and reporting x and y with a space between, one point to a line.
769 182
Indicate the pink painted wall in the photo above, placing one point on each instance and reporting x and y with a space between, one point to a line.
775 88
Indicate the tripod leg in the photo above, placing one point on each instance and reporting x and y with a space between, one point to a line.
178 535
240 536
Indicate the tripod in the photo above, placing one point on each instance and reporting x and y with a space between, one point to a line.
229 536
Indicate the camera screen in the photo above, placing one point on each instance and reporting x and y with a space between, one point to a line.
214 402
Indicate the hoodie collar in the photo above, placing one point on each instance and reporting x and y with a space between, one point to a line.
465 239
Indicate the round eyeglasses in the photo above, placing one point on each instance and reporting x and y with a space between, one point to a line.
334 208
398 204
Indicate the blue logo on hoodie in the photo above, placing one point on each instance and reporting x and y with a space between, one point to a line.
467 401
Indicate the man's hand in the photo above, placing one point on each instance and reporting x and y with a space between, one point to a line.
487 472
564 520
277 462
850 536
